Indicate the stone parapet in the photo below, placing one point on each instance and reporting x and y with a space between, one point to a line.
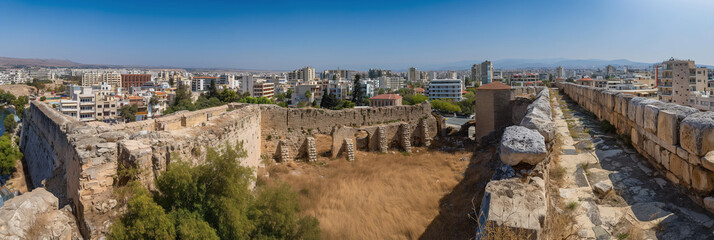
678 140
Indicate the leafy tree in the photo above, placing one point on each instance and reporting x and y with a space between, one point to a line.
190 225
381 91
414 99
10 123
308 95
9 154
445 106
302 104
276 213
330 101
19 104
256 100
144 219
357 94
212 90
171 82
128 112
289 93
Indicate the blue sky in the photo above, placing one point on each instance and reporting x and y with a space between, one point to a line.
276 34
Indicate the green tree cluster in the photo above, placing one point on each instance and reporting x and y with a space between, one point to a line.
213 201
128 112
445 106
9 154
357 94
10 123
414 99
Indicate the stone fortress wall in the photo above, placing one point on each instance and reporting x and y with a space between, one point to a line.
79 161
518 199
678 140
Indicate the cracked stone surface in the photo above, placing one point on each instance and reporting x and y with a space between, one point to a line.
641 196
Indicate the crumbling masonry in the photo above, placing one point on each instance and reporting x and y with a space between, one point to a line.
78 161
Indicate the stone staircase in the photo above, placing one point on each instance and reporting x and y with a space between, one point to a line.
406 137
382 134
350 148
311 152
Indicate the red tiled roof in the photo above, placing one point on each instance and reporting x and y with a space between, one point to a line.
494 86
418 89
586 79
387 96
529 82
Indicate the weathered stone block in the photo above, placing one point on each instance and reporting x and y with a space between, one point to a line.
708 161
668 121
697 133
520 144
650 117
640 114
709 204
679 167
512 204
702 179
664 158
682 153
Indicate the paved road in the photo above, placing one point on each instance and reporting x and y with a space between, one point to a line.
456 122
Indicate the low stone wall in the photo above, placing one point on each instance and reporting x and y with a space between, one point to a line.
677 139
517 199
294 126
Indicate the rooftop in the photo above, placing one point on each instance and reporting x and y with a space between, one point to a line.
494 86
387 97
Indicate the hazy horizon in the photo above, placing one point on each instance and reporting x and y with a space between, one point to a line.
283 35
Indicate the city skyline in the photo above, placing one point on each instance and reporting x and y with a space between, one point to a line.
395 35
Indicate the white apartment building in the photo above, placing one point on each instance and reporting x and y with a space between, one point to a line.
305 74
85 104
392 83
445 88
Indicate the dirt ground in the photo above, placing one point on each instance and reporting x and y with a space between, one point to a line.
423 195
18 89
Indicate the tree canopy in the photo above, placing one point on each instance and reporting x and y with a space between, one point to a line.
9 154
212 201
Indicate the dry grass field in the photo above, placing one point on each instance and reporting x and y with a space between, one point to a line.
425 195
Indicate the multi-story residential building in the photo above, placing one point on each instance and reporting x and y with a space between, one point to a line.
369 86
560 72
521 79
301 75
610 71
202 83
677 78
134 80
482 73
338 74
85 104
341 89
263 88
385 100
377 73
445 88
413 75
391 83
300 90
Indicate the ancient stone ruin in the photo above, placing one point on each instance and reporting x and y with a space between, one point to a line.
78 161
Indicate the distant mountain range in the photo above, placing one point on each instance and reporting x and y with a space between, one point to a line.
31 62
515 63
505 64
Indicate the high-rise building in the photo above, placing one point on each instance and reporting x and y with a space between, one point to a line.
413 75
482 73
377 73
305 74
609 71
560 72
677 78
